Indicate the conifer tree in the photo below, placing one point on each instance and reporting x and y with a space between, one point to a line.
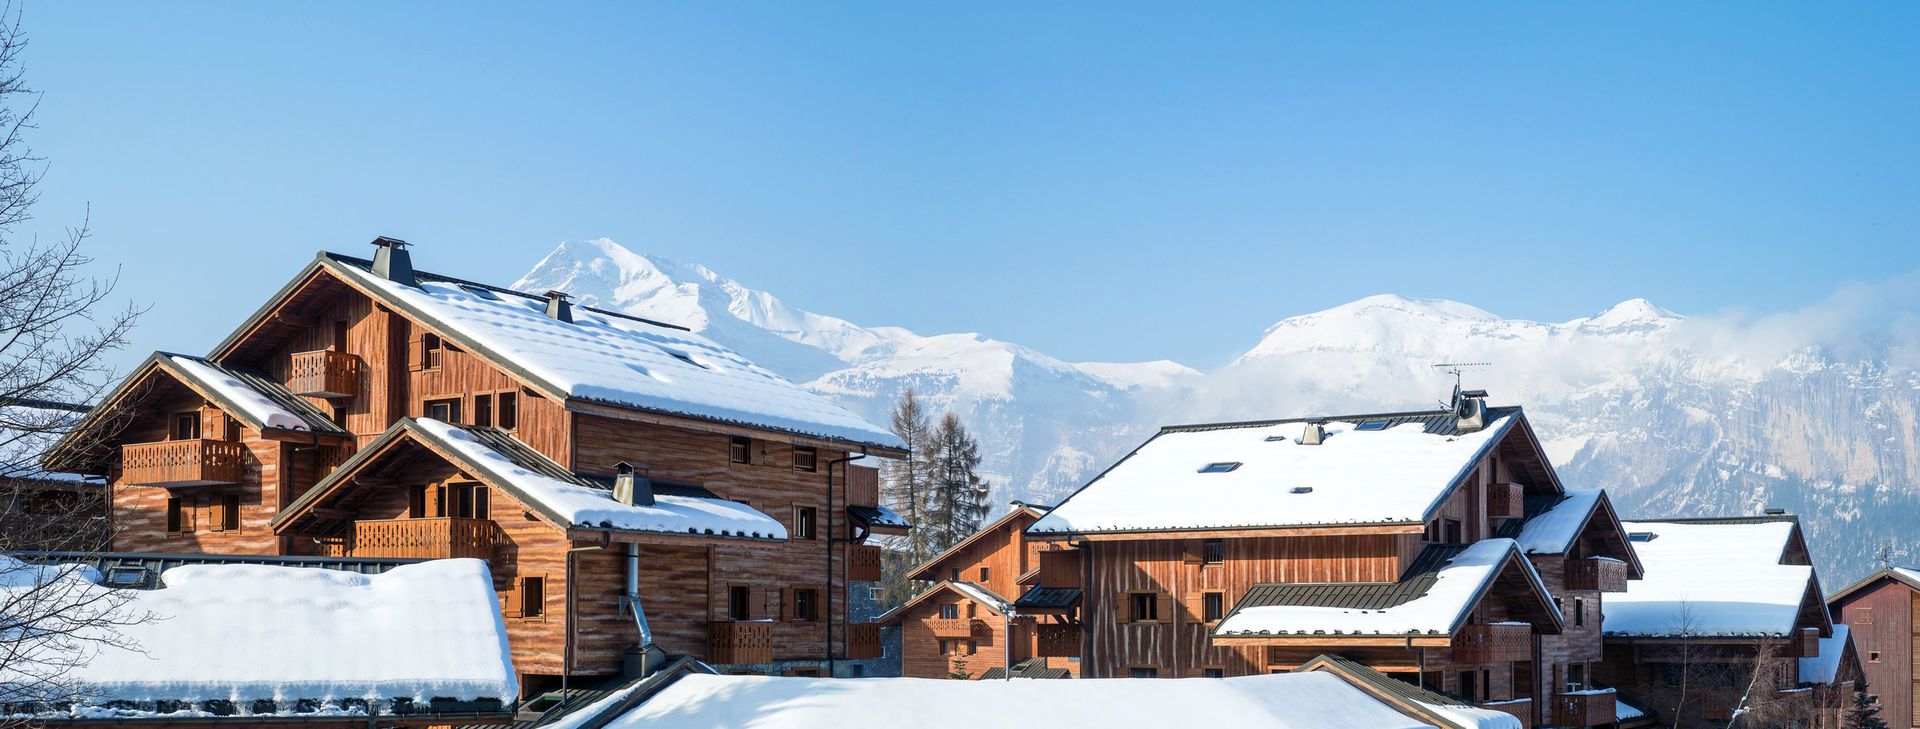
1865 712
906 489
959 497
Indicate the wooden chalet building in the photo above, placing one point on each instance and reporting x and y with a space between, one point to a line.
636 489
987 612
44 510
1436 547
1880 612
1729 619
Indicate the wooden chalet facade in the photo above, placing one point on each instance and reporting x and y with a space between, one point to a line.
42 510
1883 616
989 611
373 411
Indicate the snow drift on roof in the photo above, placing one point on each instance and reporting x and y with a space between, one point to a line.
629 362
595 508
1463 579
1285 701
1553 531
1825 667
1710 579
1355 476
982 595
258 407
248 632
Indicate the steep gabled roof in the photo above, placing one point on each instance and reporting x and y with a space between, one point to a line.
1442 709
563 498
1902 575
601 357
1554 521
929 570
971 591
1717 578
1391 469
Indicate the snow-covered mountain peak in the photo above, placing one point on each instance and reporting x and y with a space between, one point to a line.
1634 312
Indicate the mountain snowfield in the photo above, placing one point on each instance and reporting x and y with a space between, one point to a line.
1673 415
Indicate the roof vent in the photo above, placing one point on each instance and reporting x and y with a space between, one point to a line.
392 262
629 488
1300 490
1775 511
1314 434
558 308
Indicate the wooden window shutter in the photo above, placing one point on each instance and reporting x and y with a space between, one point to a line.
757 600
510 601
217 514
1122 605
416 352
1193 607
1190 553
971 610
786 604
1166 608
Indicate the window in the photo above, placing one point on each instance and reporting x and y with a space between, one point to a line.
508 416
445 411
1873 656
1213 551
946 647
859 670
805 458
176 521
466 501
806 605
949 612
1579 611
482 409
533 597
1372 425
430 351
984 574
126 576
230 512
1452 527
803 522
738 607
340 336
1143 672
1220 467
953 574
1213 606
339 417
1470 685
1671 673
1576 676
1213 672
1863 616
740 450
973 646
417 502
1143 607
186 426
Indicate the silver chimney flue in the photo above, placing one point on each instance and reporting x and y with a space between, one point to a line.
629 488
392 262
558 308
1314 434
1470 408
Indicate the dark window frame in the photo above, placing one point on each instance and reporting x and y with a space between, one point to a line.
533 597
806 458
740 450
806 523
506 414
739 602
433 351
186 426
1213 551
1213 606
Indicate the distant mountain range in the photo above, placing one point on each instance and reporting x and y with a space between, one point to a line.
1674 416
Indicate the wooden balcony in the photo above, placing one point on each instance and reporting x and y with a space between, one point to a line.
1506 501
183 463
863 486
1494 643
1521 709
950 628
434 538
1060 568
863 641
325 373
739 642
1597 573
1593 707
1058 640
863 563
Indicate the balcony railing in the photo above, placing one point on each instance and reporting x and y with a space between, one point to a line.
1521 709
863 486
951 627
432 538
863 563
1593 707
1058 640
863 641
1493 643
1597 573
740 642
1506 500
325 373
183 463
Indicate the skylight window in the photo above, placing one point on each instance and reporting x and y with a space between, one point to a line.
1220 467
1641 536
1372 425
480 292
126 576
1277 438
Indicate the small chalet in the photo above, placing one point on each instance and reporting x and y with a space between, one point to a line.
41 509
1723 599
637 490
274 642
1879 613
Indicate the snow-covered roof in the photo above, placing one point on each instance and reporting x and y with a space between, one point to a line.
1449 595
1312 700
1710 578
252 404
27 432
243 633
981 594
970 590
618 359
576 503
1264 477
1553 531
1825 667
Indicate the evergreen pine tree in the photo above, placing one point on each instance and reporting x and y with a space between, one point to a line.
959 497
906 489
1865 712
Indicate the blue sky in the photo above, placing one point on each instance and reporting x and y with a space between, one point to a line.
1098 181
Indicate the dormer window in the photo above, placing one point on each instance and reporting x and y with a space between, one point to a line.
431 351
1220 467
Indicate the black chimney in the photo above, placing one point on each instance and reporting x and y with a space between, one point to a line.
392 262
558 308
631 489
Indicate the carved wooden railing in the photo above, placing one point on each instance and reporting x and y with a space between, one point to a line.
863 641
325 373
183 463
433 538
1593 707
863 563
1597 573
739 642
950 627
863 486
1506 500
1058 640
1521 709
1494 643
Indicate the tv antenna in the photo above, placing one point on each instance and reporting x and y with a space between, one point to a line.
1459 370
1885 554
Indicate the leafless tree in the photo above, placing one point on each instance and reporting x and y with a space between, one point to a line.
57 330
